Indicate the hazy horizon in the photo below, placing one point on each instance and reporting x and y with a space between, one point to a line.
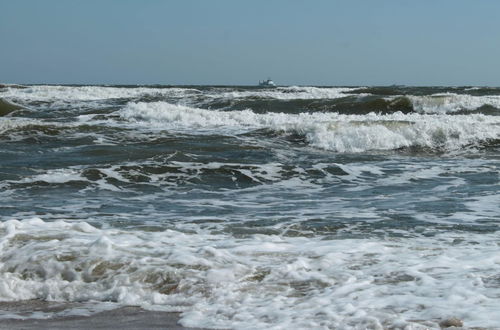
238 85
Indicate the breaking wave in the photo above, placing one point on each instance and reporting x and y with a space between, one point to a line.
329 131
450 102
293 99
263 281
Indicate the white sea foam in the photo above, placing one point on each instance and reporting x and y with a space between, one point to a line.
11 124
289 93
95 93
451 102
259 282
329 131
88 93
436 103
7 124
55 176
73 174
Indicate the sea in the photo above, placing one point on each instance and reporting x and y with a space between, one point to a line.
295 207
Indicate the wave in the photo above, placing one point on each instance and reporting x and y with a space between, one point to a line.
354 100
434 104
333 131
261 281
11 86
349 104
293 99
348 101
214 176
289 93
89 93
7 107
8 124
450 102
15 128
358 99
328 131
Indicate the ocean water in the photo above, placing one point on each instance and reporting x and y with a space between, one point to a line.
254 208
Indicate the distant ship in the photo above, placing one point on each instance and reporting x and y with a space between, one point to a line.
267 83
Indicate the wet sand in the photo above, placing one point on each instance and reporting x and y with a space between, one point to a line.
124 318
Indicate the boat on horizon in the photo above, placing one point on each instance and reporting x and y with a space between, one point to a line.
267 83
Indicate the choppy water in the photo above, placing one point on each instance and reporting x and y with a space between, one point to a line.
248 208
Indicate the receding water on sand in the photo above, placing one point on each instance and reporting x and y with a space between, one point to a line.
35 314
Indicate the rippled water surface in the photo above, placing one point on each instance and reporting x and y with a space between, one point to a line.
242 207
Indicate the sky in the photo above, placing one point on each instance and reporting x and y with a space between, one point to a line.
228 42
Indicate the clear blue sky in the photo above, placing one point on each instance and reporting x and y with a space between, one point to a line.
315 42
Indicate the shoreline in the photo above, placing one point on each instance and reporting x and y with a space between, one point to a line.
125 318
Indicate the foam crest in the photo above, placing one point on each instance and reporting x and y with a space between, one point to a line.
12 123
262 281
447 133
329 131
291 93
77 175
96 93
88 93
451 102
7 124
55 176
